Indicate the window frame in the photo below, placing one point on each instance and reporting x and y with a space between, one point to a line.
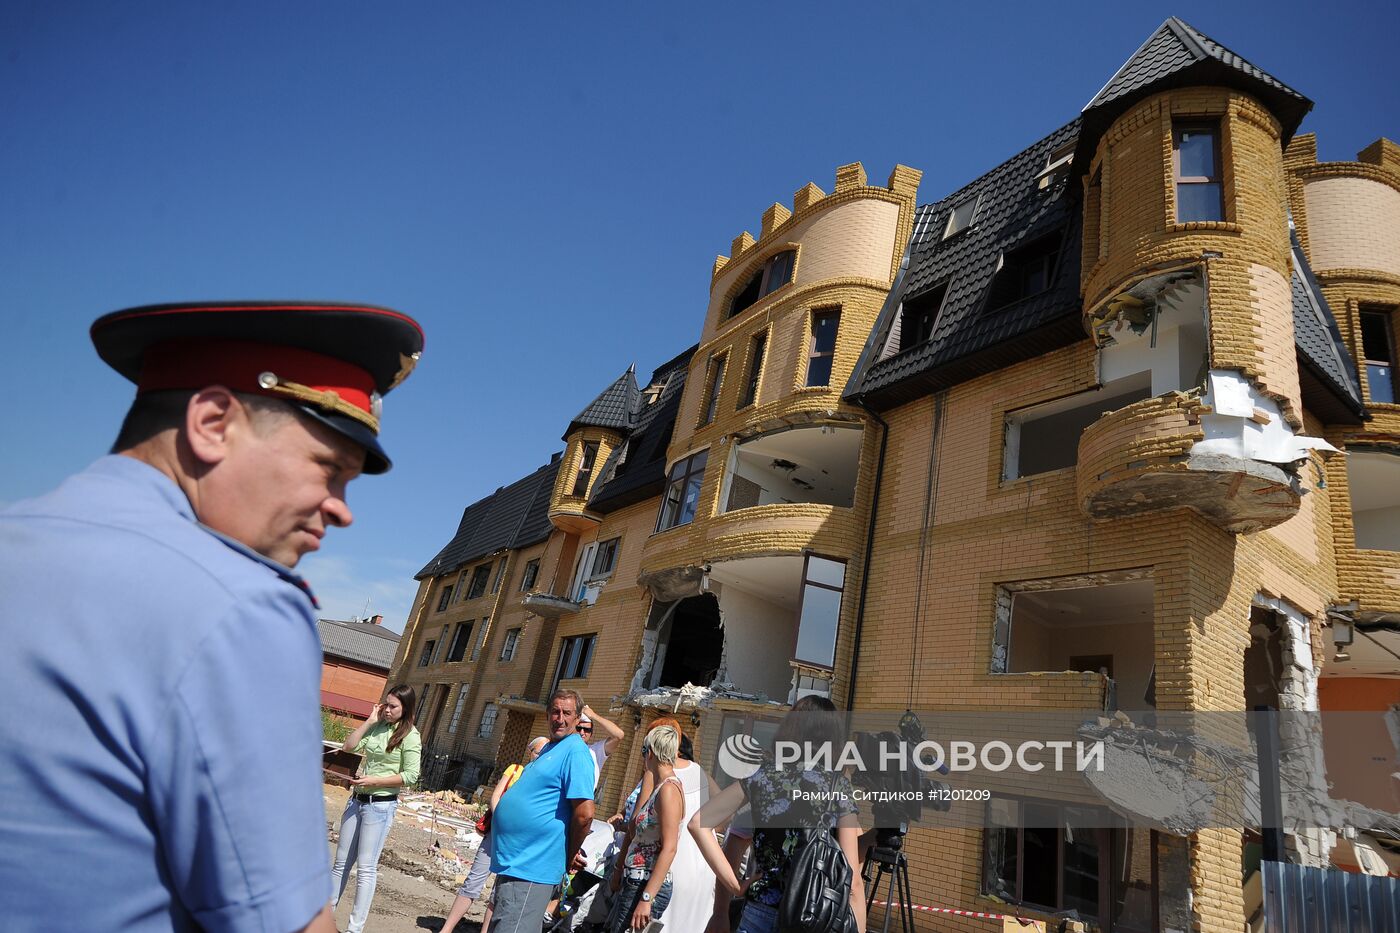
802 601
672 511
948 229
481 575
814 354
588 457
486 725
530 575
426 656
460 641
758 351
456 718
510 643
766 285
444 598
1204 126
610 547
1386 316
499 578
578 661
714 385
1104 838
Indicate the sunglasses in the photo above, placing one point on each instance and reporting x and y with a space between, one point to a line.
585 729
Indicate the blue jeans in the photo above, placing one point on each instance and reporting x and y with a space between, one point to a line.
629 895
758 918
363 829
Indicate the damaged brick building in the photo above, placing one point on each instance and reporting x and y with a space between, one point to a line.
1113 426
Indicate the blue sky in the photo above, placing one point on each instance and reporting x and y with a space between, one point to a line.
544 187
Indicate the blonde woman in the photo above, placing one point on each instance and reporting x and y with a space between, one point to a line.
644 887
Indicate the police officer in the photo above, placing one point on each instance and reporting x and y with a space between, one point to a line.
160 753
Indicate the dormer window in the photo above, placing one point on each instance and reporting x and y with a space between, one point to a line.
961 218
1056 166
917 317
1026 271
774 274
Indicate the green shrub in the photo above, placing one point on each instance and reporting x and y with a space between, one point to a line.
333 727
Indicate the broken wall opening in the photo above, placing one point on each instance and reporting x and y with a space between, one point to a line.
1045 437
1374 480
758 600
1081 624
1157 328
690 644
815 463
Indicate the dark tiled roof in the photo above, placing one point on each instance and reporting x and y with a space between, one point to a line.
514 516
364 642
615 406
642 474
969 337
1178 55
1328 373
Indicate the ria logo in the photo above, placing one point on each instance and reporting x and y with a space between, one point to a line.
740 756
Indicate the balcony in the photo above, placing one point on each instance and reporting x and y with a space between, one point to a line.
1148 456
550 606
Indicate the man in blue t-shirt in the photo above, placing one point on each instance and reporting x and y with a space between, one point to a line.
538 828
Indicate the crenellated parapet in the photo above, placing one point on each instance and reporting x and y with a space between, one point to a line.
851 184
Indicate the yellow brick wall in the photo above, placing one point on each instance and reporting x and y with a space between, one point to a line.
1247 284
987 532
1353 218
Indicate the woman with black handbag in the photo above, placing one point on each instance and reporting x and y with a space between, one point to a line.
795 815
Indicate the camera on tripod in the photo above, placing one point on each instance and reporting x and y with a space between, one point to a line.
899 795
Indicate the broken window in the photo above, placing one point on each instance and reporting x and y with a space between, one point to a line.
774 274
690 644
585 468
822 582
1046 437
1081 625
444 597
714 380
682 491
500 575
961 218
512 640
1378 353
441 641
1196 161
757 345
918 315
1062 858
812 463
426 657
1057 165
460 640
457 709
575 654
488 721
1025 271
479 578
1374 479
481 631
531 574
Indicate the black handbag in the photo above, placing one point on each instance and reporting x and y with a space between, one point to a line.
817 887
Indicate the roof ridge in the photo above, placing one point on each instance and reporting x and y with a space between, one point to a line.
1190 36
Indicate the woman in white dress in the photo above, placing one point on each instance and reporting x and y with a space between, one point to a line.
693 883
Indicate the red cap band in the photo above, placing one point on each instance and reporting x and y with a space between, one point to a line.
238 364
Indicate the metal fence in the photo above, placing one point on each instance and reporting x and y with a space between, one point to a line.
1317 900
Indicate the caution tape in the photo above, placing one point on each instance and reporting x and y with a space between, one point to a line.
1024 921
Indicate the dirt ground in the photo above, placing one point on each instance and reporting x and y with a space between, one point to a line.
416 881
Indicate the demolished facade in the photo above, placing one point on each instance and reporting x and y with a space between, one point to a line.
1088 433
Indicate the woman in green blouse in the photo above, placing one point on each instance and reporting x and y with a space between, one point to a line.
392 749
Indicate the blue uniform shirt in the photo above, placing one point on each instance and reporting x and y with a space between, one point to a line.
530 825
160 747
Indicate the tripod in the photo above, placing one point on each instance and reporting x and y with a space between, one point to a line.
891 862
